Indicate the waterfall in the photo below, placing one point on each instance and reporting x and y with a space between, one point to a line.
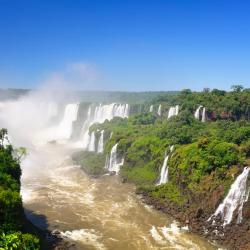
65 128
99 115
197 112
91 146
235 199
159 110
100 143
151 108
85 129
121 110
109 111
173 111
111 134
112 163
164 172
164 168
203 119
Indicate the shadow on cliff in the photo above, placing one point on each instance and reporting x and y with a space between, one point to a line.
40 227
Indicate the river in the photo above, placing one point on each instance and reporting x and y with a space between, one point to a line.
94 213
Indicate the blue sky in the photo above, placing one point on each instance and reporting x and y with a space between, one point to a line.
125 45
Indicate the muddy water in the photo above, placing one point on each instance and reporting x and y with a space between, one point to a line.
95 213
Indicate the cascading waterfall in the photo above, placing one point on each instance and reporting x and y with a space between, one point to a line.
91 146
173 111
159 110
87 121
109 111
197 112
100 114
164 169
235 199
203 118
65 127
151 109
85 129
164 172
112 163
100 143
121 110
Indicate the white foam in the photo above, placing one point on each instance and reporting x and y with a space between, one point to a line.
173 235
112 162
234 201
86 236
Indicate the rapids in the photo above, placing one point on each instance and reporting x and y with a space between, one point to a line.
94 213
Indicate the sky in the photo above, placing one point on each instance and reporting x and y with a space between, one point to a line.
139 45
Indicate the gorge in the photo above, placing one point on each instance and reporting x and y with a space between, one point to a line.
124 145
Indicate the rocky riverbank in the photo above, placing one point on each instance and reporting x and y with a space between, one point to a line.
234 236
195 212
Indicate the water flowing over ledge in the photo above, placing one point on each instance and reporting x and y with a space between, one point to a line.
113 164
198 115
173 111
164 169
234 201
98 114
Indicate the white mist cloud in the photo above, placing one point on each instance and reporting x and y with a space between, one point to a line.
27 116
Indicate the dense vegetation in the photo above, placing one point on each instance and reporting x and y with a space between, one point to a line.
206 155
11 211
133 98
119 96
92 163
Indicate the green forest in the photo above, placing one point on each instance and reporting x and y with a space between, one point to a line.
206 159
207 156
12 219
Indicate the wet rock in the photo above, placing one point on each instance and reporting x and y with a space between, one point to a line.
233 236
56 232
112 173
124 180
199 212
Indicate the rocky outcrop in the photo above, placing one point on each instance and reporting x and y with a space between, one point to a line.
234 236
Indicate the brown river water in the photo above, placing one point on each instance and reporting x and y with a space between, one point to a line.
93 213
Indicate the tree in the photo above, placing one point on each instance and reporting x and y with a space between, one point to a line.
218 92
186 91
206 90
19 153
237 88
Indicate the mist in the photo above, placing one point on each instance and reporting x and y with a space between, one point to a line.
32 113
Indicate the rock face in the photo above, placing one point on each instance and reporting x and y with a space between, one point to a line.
234 236
234 201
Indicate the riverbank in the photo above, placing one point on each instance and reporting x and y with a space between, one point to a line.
146 200
235 236
195 215
95 213
47 240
